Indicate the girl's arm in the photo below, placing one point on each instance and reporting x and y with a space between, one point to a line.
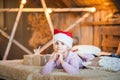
108 54
49 67
73 66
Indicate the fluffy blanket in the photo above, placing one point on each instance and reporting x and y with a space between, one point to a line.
16 70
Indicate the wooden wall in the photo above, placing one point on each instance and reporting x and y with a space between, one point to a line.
22 34
106 36
87 34
64 20
91 34
110 38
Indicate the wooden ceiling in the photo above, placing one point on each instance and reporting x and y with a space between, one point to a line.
98 4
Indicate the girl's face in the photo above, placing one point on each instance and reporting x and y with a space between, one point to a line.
60 47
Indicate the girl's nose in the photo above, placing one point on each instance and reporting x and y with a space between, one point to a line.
59 45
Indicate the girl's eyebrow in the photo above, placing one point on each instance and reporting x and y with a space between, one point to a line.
60 42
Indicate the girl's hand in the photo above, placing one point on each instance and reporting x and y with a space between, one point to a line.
61 58
74 49
54 56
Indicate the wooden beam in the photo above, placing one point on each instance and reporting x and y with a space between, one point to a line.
16 42
69 28
47 16
105 21
100 23
42 10
111 30
110 43
1 15
13 31
78 21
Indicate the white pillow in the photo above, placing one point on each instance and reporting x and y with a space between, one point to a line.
105 63
89 49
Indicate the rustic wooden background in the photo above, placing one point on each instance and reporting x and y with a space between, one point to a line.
96 30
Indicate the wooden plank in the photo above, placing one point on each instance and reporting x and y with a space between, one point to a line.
103 19
47 16
87 33
100 23
1 15
111 30
97 29
110 43
114 37
109 49
88 9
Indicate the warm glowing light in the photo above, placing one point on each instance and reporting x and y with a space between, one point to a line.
106 4
49 11
93 9
24 1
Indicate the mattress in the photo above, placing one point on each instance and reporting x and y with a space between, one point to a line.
16 70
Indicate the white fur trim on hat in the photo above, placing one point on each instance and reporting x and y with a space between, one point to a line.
63 38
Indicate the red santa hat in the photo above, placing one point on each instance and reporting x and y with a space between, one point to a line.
63 36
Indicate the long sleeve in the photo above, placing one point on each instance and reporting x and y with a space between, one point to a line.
72 67
87 57
113 55
48 68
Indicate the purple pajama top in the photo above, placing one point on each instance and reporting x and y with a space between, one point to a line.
71 64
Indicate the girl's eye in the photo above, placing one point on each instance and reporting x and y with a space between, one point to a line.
56 43
62 43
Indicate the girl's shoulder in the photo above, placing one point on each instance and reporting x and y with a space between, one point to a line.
73 54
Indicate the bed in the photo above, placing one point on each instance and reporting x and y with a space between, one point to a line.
29 68
16 70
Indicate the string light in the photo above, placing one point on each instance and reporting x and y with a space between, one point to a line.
93 9
49 11
23 1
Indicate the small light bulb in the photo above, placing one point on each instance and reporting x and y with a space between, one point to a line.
49 11
93 9
24 1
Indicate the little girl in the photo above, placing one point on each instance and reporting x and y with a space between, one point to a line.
63 57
